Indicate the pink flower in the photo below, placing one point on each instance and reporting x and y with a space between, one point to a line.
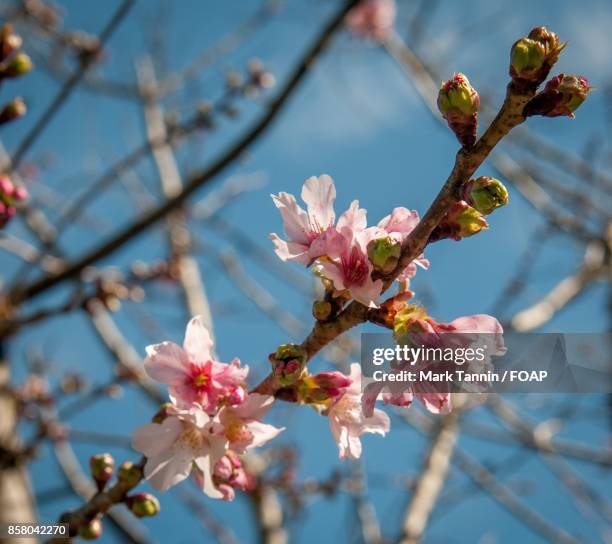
305 230
398 225
185 437
348 422
191 373
372 19
346 263
242 425
417 329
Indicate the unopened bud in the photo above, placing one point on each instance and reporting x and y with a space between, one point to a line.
9 42
101 467
129 474
485 194
532 57
384 254
321 310
143 505
288 363
91 530
458 103
19 65
15 109
461 221
562 95
408 320
467 220
323 388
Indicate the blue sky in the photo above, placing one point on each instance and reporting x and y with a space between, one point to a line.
358 118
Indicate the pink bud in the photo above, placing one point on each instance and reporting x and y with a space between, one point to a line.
20 193
6 187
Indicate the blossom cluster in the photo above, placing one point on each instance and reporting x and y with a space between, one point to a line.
209 422
348 256
344 253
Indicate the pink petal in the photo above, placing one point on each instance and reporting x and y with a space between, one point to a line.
169 469
319 195
352 220
290 251
206 464
262 433
167 363
255 406
295 220
198 343
151 439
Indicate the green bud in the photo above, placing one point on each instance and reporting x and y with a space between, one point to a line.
407 320
285 352
532 57
143 505
486 194
466 221
20 65
384 254
129 474
458 94
562 95
92 530
527 57
458 103
101 466
15 109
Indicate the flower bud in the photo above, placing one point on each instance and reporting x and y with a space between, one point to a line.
468 221
288 363
9 42
321 310
129 474
458 103
15 109
384 254
143 505
407 320
323 388
101 467
19 65
461 221
562 95
91 530
532 57
485 194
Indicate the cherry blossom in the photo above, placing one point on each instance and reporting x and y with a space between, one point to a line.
242 426
417 328
185 437
306 230
347 265
192 374
348 422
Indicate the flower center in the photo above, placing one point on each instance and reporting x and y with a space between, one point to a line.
199 376
237 432
192 438
354 267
